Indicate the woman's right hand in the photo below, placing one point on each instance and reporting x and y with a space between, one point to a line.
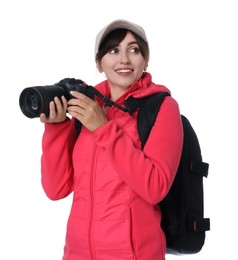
58 109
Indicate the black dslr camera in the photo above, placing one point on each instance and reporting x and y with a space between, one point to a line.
35 100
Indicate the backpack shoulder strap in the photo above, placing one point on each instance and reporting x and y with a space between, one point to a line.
147 114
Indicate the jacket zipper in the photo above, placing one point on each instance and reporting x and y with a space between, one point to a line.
91 191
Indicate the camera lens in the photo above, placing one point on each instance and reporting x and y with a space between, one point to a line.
35 100
31 102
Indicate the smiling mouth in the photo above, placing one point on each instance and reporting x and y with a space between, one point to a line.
124 71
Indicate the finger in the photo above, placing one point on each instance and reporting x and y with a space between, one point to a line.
75 102
76 110
43 117
65 103
52 114
81 96
59 106
77 94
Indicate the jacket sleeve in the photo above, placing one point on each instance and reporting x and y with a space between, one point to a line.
56 160
150 172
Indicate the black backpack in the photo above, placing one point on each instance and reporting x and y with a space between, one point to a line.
182 209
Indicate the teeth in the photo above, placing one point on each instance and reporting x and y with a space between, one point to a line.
124 71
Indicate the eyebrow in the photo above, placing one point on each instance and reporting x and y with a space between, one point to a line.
129 43
133 42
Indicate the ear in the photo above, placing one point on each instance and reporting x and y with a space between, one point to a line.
99 67
145 68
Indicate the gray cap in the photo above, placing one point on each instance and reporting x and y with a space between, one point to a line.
119 24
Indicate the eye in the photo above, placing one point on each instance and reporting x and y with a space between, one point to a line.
113 50
135 50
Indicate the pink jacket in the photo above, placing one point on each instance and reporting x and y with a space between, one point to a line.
116 185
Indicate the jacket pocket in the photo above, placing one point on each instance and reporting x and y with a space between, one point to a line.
112 235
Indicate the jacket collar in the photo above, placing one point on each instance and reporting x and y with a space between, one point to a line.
141 88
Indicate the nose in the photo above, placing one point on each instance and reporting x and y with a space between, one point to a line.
124 58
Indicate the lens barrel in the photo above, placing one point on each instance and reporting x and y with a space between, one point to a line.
35 100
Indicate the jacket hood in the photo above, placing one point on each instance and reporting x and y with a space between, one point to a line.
141 88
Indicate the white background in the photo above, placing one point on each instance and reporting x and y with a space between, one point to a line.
194 52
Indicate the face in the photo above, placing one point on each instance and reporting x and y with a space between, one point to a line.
123 65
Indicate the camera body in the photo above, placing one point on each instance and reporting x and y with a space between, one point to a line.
35 100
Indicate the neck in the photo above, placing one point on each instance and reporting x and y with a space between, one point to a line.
117 92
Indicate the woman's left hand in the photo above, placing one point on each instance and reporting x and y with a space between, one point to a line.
86 110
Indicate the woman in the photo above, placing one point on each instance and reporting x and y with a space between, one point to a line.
116 184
